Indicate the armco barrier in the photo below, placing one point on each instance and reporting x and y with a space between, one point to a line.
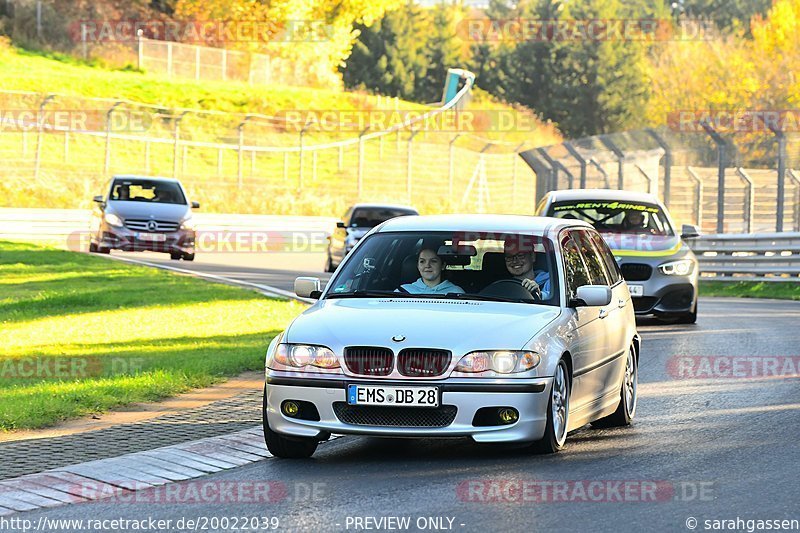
763 256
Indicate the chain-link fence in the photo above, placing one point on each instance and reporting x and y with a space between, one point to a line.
58 151
722 183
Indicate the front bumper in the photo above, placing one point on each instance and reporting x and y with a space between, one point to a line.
528 396
116 238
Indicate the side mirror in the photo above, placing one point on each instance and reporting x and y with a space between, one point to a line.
689 231
592 296
307 288
98 199
340 224
195 205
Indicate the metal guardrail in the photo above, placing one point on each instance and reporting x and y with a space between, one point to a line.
743 257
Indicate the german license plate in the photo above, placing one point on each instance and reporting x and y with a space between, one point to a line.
399 396
636 290
152 237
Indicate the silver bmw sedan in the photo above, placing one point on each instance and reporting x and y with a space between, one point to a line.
498 328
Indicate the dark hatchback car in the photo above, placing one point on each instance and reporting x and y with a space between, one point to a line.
144 214
356 223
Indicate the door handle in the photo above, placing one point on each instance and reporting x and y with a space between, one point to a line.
603 313
621 303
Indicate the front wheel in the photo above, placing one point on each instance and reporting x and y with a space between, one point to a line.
626 409
286 447
188 257
555 433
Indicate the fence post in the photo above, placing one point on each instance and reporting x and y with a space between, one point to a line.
646 177
515 156
592 161
748 202
720 173
698 184
620 155
39 19
779 135
240 154
176 142
139 48
451 165
109 113
300 173
409 161
553 185
667 163
361 161
796 217
40 131
581 161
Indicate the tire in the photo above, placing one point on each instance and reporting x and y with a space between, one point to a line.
101 250
175 256
92 248
285 447
188 257
555 433
690 317
628 399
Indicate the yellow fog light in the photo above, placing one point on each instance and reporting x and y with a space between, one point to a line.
291 409
508 416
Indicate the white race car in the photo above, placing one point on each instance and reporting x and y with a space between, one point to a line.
499 328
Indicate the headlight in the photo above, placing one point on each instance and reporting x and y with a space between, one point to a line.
114 220
502 362
684 267
303 355
188 224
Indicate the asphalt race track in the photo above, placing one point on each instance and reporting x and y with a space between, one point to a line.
716 437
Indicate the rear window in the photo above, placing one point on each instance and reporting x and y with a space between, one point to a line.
609 216
369 217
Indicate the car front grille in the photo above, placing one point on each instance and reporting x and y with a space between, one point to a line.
406 417
145 225
636 271
369 360
421 363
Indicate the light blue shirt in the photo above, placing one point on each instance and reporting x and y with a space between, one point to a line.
419 287
542 278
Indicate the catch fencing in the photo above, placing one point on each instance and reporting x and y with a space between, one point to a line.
720 186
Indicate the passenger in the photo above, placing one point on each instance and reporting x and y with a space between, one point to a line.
520 259
430 269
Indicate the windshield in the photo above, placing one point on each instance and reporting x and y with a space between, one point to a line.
509 267
369 217
609 216
143 190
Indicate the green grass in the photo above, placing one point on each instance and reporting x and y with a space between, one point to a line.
751 289
123 334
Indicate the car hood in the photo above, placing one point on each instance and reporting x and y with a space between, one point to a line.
170 212
627 244
457 325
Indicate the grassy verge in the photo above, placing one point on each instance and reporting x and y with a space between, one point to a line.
751 289
82 334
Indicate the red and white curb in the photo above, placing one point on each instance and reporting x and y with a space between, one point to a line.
117 476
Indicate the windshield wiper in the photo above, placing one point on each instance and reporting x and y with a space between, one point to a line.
484 298
361 293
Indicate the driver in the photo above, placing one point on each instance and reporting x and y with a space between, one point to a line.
430 269
520 259
633 222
